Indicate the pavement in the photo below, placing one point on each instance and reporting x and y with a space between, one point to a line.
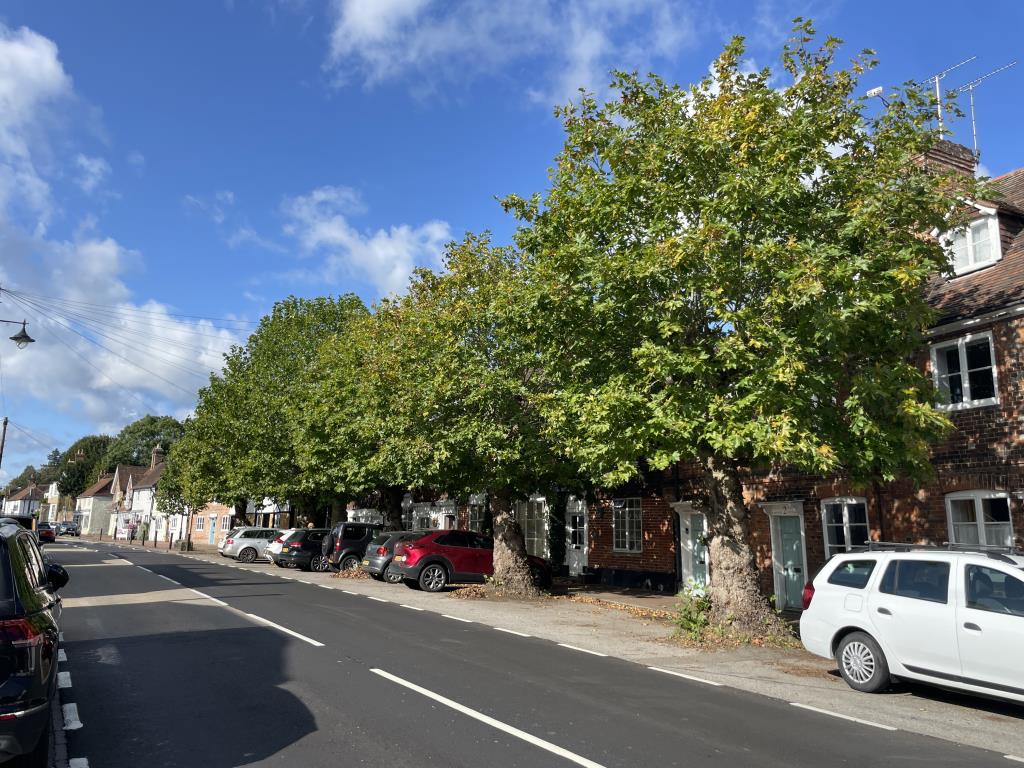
196 660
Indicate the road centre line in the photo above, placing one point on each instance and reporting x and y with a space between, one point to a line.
686 677
293 633
487 720
582 650
512 632
456 618
842 717
204 595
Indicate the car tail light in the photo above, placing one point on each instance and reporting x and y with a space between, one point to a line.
337 545
382 551
23 637
229 541
808 594
296 545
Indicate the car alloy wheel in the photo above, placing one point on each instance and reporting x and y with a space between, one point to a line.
433 578
391 577
349 563
247 555
858 662
316 563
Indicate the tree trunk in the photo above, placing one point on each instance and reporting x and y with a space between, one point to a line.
736 599
511 568
239 512
393 511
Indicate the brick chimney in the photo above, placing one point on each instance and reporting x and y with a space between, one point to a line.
950 156
156 456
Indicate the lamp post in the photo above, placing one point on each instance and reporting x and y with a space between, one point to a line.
22 339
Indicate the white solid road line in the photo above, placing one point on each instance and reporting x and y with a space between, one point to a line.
378 599
1014 758
63 679
582 650
165 578
456 618
512 731
78 762
62 655
213 599
71 721
287 631
842 717
325 586
349 592
410 607
142 569
512 632
687 677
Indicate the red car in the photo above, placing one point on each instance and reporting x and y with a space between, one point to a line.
439 558
47 533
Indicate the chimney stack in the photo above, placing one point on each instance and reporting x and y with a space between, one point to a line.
156 456
950 156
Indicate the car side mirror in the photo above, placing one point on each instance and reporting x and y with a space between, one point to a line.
56 576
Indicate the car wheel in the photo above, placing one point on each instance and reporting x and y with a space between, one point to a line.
862 663
247 555
391 577
316 563
433 578
348 563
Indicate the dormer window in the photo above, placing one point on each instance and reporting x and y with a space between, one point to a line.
975 246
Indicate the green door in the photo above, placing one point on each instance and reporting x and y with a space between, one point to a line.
791 559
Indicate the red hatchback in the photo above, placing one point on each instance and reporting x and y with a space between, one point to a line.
439 558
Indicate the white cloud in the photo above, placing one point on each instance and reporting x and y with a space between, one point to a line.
385 257
32 83
215 207
578 41
136 160
92 171
244 236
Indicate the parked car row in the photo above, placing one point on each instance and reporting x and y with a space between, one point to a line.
426 559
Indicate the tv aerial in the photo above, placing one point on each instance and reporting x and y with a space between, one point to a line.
935 80
968 88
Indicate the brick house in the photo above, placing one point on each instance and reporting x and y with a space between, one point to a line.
651 535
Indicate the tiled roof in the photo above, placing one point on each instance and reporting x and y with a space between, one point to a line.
124 471
151 478
100 488
1000 285
29 493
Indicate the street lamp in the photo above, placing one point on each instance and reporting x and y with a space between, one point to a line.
21 338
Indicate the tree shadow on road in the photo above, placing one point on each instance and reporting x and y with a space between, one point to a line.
184 699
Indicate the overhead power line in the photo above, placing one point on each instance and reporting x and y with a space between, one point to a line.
30 436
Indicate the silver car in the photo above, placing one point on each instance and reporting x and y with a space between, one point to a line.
248 544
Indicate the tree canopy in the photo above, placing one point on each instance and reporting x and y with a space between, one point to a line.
133 444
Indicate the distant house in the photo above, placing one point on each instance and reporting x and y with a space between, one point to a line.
52 503
94 505
24 503
121 517
140 498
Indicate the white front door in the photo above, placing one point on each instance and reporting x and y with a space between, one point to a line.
789 552
576 535
990 627
693 529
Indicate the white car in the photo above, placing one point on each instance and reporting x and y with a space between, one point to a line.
953 618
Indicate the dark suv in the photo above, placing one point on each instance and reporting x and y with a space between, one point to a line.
350 542
300 549
439 558
29 638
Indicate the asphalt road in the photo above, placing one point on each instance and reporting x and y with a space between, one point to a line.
178 662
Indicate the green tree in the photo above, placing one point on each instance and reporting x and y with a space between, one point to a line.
19 481
241 444
82 464
732 274
134 443
50 471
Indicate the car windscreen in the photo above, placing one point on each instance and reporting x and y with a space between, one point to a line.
292 535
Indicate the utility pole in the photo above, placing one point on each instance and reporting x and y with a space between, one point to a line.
3 439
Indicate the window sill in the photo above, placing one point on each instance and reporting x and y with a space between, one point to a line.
974 268
627 551
953 407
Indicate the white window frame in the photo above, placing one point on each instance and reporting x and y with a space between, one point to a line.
200 523
991 219
534 518
625 507
845 501
961 345
977 496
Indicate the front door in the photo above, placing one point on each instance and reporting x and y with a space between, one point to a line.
790 561
213 530
698 548
576 536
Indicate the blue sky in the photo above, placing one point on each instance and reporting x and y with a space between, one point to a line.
206 157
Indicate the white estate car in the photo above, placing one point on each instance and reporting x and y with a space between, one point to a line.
953 618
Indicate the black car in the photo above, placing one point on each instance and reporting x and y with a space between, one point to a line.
46 533
30 613
301 548
350 541
69 529
381 550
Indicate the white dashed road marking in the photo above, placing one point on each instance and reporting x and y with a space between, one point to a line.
411 607
512 632
456 618
212 599
487 720
686 677
348 592
78 762
842 717
582 650
377 599
63 679
165 578
62 655
143 569
1014 758
71 721
293 633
